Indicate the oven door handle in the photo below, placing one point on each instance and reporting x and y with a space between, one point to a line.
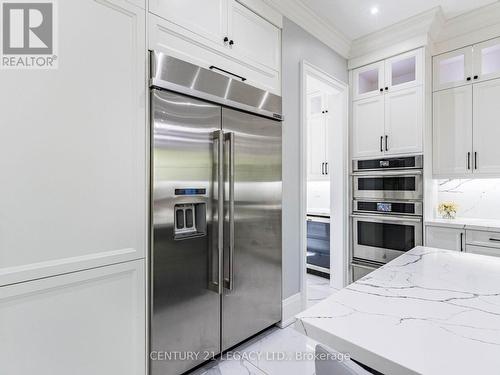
388 173
385 219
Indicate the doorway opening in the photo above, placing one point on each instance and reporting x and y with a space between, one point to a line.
324 184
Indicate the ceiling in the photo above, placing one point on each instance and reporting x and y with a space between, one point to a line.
354 18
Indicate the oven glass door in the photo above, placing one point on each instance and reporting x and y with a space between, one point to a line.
389 186
384 239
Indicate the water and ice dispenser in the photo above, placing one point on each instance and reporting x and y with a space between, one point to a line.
190 217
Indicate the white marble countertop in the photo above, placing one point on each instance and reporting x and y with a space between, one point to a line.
430 311
467 223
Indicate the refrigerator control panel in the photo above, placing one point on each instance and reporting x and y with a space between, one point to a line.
189 220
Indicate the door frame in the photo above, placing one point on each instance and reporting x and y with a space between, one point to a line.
339 182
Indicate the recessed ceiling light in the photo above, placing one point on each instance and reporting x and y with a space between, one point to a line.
374 10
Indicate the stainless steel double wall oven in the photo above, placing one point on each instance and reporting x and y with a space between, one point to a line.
387 211
215 272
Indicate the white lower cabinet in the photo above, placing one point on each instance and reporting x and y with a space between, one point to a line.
482 250
87 322
445 238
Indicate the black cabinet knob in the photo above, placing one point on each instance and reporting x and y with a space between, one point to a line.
476 77
469 78
226 39
231 42
387 89
381 90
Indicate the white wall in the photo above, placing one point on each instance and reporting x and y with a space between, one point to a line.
298 45
477 198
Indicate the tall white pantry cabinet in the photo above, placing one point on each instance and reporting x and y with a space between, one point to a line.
73 217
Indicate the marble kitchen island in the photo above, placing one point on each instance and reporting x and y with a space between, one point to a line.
430 311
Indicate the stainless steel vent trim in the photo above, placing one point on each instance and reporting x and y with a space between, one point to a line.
176 75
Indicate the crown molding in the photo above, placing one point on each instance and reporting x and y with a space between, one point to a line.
469 28
303 16
397 38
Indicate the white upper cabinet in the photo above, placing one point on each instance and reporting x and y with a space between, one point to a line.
219 33
206 18
452 69
368 81
318 122
403 71
452 132
368 133
487 60
404 121
388 108
486 128
253 38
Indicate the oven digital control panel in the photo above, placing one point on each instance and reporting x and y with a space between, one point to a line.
384 207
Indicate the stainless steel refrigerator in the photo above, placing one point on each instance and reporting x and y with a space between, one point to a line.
215 272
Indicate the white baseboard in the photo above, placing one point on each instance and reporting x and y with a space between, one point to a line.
291 307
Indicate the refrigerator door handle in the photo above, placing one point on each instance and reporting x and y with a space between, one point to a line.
215 281
229 281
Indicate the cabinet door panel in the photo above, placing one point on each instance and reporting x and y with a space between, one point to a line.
368 80
404 71
404 121
368 127
452 69
486 128
445 238
487 60
206 18
255 39
452 132
316 147
73 158
490 251
81 323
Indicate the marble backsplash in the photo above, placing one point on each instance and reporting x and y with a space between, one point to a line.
476 198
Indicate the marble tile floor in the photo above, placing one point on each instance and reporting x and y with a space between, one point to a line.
275 351
318 288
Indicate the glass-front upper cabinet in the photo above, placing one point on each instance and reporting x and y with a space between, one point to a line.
487 60
404 71
368 81
452 69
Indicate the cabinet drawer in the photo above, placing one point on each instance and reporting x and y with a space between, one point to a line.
491 251
482 238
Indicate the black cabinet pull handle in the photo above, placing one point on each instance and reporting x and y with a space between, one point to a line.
461 242
468 160
469 78
213 67
475 160
323 169
326 168
381 144
386 143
